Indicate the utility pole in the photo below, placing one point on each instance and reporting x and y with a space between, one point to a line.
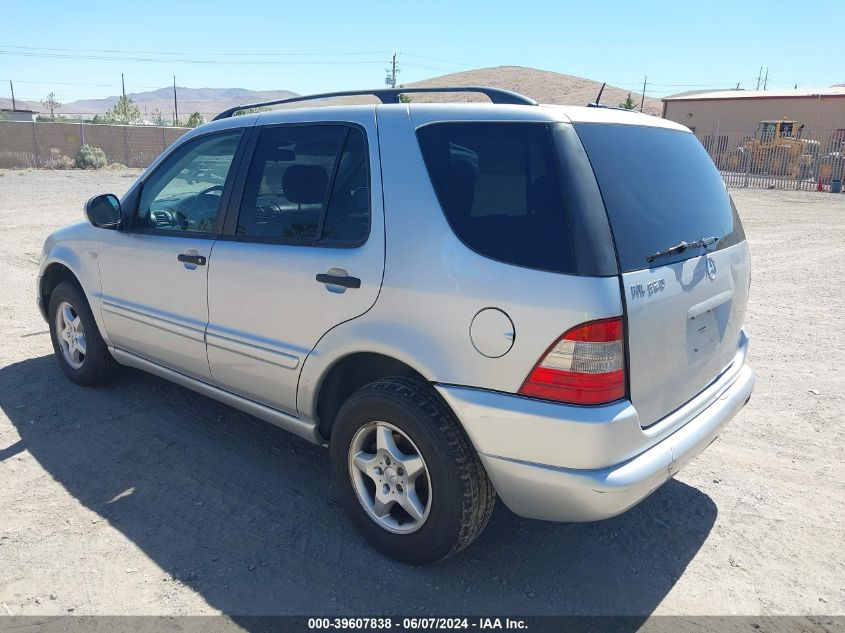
642 101
759 75
766 80
392 71
175 105
122 85
12 86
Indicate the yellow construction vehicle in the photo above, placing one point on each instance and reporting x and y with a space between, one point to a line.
776 149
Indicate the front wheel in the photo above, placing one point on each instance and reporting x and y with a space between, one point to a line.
407 474
80 350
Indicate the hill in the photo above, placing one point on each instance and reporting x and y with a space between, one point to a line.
207 101
542 85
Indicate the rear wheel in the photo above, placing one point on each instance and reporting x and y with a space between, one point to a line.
80 350
406 473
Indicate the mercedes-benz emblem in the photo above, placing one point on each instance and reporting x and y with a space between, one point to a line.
711 268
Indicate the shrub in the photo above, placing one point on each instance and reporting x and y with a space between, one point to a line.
195 120
628 104
91 158
57 160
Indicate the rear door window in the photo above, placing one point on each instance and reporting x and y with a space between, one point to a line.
660 188
307 184
500 189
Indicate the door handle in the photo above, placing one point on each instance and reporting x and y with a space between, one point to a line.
197 260
339 280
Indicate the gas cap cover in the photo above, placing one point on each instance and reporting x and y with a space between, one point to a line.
492 332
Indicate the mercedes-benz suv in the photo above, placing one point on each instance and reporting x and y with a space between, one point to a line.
459 300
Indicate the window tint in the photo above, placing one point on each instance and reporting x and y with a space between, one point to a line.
659 187
184 193
287 190
499 187
348 215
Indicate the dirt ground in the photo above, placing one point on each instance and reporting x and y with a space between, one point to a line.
145 498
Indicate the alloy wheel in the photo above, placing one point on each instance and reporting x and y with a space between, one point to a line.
70 335
390 477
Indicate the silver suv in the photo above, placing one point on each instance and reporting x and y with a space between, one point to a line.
459 300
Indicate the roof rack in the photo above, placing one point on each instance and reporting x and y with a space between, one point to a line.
391 95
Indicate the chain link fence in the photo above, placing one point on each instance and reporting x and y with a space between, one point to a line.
788 139
778 155
56 145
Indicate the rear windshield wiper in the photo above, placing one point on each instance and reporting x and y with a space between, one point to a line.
704 242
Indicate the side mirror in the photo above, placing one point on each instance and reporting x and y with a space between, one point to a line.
103 211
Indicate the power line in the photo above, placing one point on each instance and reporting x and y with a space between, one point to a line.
69 83
195 53
153 60
427 67
439 59
196 57
209 54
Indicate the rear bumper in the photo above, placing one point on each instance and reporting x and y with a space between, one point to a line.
537 489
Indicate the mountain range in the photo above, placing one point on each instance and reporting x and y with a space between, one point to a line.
542 85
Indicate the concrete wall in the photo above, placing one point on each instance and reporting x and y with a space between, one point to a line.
34 144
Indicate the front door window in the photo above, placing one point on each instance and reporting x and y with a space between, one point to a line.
184 193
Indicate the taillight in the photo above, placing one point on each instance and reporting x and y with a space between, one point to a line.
584 366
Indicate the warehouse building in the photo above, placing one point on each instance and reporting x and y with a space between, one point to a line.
783 138
726 118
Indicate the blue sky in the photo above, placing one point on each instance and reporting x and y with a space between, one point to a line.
310 46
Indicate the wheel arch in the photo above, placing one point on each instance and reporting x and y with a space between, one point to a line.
65 262
348 374
55 273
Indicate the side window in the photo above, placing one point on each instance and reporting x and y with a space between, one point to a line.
347 218
500 188
184 193
307 184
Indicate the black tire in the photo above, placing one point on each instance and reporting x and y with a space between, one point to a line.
462 496
98 366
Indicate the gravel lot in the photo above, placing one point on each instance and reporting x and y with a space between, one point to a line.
145 498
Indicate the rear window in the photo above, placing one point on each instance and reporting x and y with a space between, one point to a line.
659 187
499 186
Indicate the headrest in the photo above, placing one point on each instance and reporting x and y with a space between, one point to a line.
305 184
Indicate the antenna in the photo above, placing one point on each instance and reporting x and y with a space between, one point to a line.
595 103
642 101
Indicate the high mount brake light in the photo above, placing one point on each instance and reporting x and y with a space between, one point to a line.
585 366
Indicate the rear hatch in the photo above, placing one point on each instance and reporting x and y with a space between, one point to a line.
684 307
